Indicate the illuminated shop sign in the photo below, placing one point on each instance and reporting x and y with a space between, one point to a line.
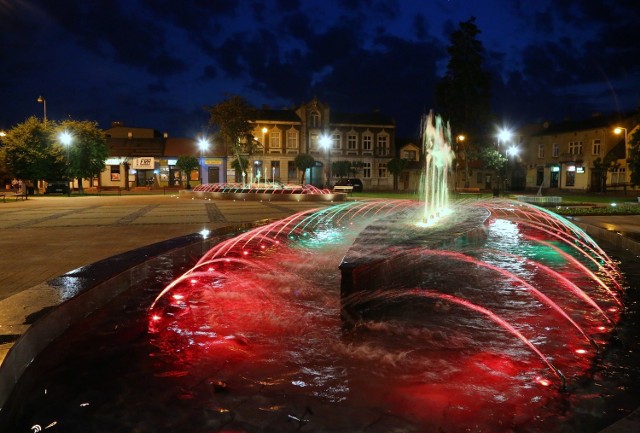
145 163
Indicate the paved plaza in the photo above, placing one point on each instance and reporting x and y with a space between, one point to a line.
44 237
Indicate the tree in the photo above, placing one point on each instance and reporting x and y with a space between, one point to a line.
396 166
233 118
186 164
341 168
463 95
601 166
31 153
85 149
302 162
634 155
494 160
240 165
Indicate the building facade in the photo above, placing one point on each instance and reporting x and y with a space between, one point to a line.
586 155
367 141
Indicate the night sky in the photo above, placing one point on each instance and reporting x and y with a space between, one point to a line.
157 63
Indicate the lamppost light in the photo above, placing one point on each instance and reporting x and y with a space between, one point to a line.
65 138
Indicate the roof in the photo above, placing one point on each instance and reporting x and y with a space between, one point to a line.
181 146
594 122
277 116
373 118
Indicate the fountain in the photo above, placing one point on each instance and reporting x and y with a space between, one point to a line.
262 191
496 316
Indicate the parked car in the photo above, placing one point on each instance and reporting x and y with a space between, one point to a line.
57 187
351 181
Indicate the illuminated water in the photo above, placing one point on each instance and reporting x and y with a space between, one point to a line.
251 339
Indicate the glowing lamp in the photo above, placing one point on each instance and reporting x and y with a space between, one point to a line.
581 351
155 317
178 296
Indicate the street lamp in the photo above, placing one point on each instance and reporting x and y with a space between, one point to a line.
460 148
504 136
325 143
203 144
66 138
264 145
618 130
44 106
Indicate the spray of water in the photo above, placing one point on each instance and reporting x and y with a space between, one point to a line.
436 146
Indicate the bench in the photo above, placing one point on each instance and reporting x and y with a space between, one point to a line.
343 188
20 194
468 190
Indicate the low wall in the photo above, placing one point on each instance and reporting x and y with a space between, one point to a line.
539 199
263 196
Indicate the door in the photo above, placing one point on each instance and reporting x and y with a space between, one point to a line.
214 175
555 175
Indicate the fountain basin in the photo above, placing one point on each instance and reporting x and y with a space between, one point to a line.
265 351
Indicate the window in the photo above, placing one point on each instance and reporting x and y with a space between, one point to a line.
618 175
382 145
366 169
115 172
274 140
352 140
315 119
367 141
314 140
540 150
575 147
275 170
571 177
292 139
411 155
595 147
555 150
292 171
335 141
382 169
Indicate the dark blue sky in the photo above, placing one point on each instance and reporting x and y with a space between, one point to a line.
156 63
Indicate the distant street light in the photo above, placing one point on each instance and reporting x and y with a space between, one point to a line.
460 151
44 106
325 143
203 145
504 136
618 130
264 145
66 138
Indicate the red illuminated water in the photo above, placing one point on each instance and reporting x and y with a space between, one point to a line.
479 336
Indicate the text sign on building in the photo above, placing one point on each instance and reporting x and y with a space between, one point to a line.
146 163
212 161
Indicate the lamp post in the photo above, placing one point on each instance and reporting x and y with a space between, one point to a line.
203 144
264 145
618 130
504 136
44 106
325 143
66 138
460 148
